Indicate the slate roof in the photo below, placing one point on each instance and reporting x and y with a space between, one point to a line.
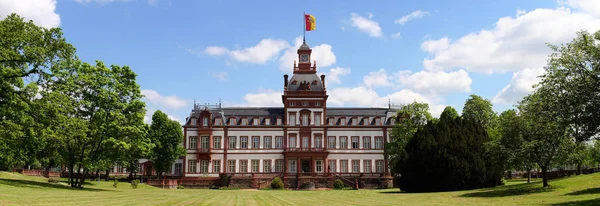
310 78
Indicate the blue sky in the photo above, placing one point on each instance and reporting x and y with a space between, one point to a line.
437 52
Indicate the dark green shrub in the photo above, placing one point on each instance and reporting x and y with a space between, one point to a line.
115 183
449 155
134 184
276 183
180 187
53 180
338 184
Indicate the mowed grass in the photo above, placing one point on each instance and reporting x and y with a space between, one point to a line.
16 189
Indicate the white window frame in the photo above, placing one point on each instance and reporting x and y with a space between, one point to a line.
217 142
292 143
204 166
292 166
268 142
216 166
278 142
192 166
319 166
232 140
292 121
193 143
267 166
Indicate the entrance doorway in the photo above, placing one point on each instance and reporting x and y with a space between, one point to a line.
306 166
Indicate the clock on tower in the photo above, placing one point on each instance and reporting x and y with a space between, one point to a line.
304 58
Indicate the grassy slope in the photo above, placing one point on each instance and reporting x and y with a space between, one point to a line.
16 189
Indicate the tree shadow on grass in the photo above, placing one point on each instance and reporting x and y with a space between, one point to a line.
579 202
392 192
586 192
512 190
35 184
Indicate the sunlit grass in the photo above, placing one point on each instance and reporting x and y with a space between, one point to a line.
16 189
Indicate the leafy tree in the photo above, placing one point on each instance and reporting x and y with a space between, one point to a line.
542 133
104 104
573 77
480 110
409 118
449 113
511 142
449 155
27 52
167 137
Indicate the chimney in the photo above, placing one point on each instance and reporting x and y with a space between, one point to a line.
323 80
285 81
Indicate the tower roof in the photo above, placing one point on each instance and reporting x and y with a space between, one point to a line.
304 46
303 82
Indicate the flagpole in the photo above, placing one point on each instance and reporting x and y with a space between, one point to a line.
304 29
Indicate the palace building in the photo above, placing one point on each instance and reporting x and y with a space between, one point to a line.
302 141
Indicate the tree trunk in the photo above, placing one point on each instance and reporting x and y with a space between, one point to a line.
545 175
106 178
71 167
528 175
82 178
578 168
509 174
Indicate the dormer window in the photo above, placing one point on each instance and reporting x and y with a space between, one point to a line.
232 121
342 121
255 121
294 82
193 122
267 121
378 121
205 121
244 121
218 121
355 121
279 122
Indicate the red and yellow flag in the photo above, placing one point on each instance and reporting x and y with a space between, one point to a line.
311 23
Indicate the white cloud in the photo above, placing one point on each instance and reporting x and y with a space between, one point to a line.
334 74
520 86
264 98
41 12
436 82
377 79
216 51
220 75
264 51
514 43
414 15
396 35
323 54
589 6
366 25
358 96
153 2
155 98
433 46
362 96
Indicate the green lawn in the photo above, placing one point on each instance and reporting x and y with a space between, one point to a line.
16 189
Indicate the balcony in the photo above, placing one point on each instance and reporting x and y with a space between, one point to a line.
203 153
306 152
